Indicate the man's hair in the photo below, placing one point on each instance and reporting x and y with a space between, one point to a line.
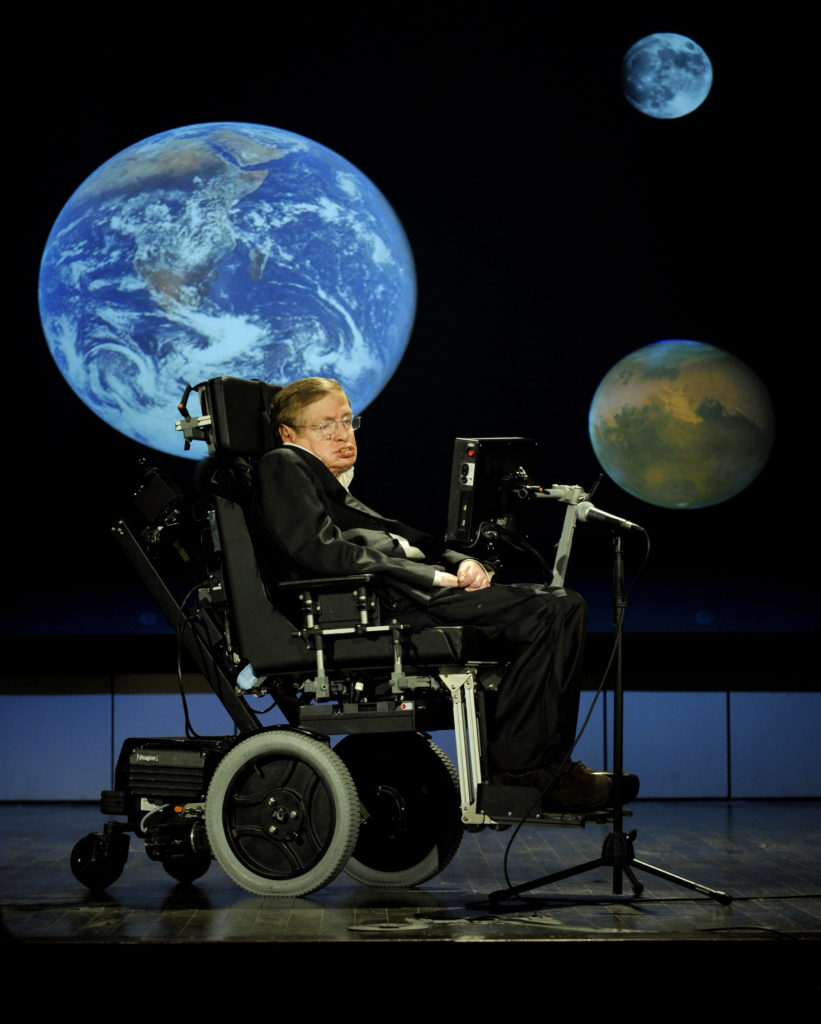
288 403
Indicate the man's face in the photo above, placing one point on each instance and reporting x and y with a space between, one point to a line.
337 451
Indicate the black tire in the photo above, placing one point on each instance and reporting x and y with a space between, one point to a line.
409 791
188 868
281 814
98 859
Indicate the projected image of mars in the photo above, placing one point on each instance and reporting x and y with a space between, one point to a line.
223 249
681 424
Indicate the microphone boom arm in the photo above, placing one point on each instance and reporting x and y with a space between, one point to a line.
578 508
571 495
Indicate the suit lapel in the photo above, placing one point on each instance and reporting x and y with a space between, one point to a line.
350 511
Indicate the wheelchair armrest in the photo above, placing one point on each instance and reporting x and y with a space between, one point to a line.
327 583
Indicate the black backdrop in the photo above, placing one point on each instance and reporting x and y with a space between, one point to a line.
554 228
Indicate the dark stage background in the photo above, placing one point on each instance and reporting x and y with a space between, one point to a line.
555 229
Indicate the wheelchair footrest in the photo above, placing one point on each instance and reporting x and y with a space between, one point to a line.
511 804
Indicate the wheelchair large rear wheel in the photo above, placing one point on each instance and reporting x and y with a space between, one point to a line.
281 814
409 791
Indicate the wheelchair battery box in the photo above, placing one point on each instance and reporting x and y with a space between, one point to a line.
370 716
169 768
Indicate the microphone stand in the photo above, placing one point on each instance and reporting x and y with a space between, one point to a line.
617 849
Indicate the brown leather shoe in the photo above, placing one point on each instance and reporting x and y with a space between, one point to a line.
575 787
629 784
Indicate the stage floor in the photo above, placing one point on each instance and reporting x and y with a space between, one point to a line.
765 854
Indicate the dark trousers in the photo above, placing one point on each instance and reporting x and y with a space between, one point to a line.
538 701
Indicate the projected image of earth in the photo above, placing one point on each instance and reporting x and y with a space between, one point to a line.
223 249
681 424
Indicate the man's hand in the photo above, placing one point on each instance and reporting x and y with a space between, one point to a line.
471 575
446 579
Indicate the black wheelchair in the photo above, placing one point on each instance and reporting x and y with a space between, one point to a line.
280 809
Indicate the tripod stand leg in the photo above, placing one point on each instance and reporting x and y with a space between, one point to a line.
617 853
537 883
638 888
721 897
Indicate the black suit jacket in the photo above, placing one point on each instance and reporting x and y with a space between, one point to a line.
307 524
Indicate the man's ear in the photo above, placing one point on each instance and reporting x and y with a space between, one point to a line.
285 432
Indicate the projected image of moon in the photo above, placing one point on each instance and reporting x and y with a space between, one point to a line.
223 249
666 75
681 424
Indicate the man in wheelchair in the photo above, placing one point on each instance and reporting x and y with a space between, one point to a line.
280 809
306 523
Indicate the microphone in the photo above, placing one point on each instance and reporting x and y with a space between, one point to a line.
587 510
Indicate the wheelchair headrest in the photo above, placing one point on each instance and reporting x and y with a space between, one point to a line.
235 416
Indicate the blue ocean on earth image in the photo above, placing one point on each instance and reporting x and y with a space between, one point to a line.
223 249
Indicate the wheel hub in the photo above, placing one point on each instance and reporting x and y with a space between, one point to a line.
286 815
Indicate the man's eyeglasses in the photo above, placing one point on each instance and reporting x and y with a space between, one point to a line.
328 429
